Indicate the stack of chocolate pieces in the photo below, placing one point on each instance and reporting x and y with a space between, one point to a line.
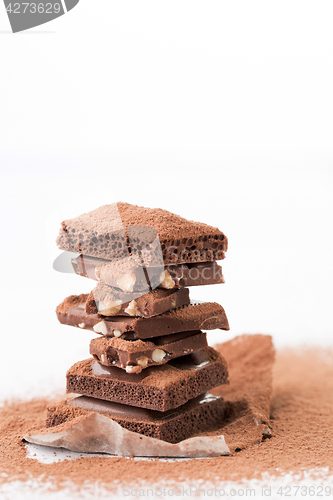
151 367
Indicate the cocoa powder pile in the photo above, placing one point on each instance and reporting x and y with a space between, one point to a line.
301 415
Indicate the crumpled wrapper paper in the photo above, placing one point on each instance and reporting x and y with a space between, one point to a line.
96 433
250 359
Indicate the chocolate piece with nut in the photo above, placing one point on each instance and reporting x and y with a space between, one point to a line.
136 355
108 301
192 317
158 388
128 274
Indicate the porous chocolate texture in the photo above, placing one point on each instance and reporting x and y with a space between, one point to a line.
156 235
125 275
159 388
193 317
136 355
198 415
109 301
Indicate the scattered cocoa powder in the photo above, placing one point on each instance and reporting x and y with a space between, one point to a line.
301 422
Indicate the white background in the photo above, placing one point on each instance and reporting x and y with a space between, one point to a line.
218 111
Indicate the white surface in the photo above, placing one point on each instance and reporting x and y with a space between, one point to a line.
309 484
49 455
221 112
178 76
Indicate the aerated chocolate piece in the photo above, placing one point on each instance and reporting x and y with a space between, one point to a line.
124 275
203 316
158 388
108 301
135 355
115 231
198 415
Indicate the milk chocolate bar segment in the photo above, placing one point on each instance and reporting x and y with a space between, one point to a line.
136 355
150 233
204 316
72 311
201 273
158 388
109 301
126 274
130 278
198 415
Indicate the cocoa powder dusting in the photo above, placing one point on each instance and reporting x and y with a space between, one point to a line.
301 423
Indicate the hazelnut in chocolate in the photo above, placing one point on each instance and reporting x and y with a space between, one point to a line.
108 301
129 275
136 355
195 316
158 388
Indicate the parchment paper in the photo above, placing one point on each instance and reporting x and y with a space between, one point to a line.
96 433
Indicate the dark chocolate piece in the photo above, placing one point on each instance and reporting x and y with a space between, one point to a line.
115 231
123 274
158 388
136 355
198 415
204 316
108 301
